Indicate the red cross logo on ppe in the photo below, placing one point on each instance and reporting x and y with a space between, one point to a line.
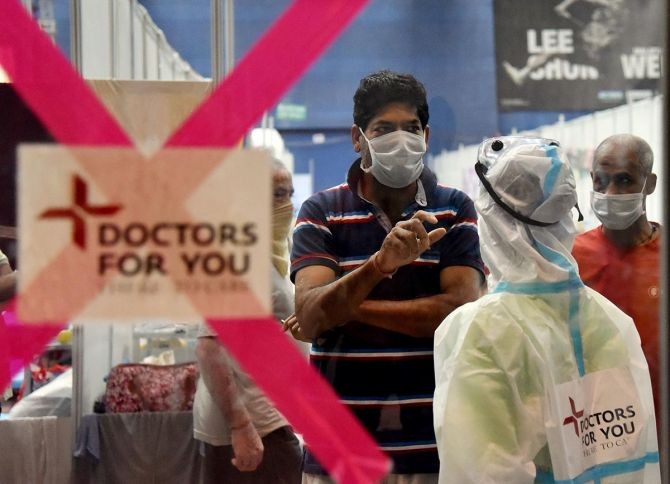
573 419
80 208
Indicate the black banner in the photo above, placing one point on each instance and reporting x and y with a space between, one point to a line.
563 55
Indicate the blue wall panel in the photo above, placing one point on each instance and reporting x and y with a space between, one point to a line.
448 44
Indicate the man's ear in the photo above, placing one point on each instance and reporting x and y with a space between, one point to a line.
356 138
426 133
650 186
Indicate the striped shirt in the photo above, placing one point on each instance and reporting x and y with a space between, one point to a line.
386 378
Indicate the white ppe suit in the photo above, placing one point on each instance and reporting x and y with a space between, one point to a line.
543 379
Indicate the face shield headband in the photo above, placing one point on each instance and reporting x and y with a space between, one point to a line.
489 152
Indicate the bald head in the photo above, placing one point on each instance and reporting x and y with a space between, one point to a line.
634 148
622 164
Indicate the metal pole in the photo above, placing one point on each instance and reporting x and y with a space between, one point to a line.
77 379
132 38
77 331
216 41
229 36
145 69
75 34
222 38
162 47
159 49
113 39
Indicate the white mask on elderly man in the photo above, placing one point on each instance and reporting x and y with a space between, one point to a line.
397 157
618 211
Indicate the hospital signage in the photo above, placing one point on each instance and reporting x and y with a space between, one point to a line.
576 54
183 235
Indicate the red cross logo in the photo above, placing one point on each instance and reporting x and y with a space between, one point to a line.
573 419
80 208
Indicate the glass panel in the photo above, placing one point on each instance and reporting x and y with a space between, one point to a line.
578 71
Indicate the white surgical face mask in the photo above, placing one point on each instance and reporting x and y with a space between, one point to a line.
618 212
397 157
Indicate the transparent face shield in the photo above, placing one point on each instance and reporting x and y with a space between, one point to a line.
488 154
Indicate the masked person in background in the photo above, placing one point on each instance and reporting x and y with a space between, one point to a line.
244 438
543 379
621 258
282 220
378 263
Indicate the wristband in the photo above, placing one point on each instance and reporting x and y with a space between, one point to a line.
378 269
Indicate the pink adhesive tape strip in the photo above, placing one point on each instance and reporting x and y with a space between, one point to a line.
46 81
334 435
267 71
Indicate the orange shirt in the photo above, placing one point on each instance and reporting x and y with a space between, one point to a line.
630 279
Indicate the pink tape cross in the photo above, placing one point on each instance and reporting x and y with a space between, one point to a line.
74 115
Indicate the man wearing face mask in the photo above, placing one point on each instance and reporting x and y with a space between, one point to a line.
282 220
244 438
378 262
621 258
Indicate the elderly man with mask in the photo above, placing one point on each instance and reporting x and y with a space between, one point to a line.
542 380
244 438
621 258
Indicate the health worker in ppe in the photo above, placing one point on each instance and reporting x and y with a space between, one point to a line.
543 379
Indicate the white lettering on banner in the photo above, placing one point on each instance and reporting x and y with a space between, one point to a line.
551 41
595 419
642 63
561 69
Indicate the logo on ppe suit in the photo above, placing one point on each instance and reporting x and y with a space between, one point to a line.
613 422
598 419
573 419
172 236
